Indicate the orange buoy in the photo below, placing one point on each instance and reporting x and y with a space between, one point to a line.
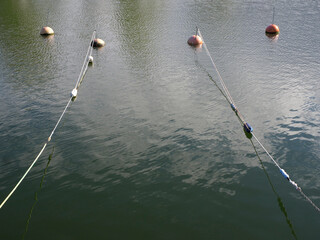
46 31
272 29
97 42
195 40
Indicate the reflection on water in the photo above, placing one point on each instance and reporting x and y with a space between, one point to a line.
280 203
273 37
36 194
249 136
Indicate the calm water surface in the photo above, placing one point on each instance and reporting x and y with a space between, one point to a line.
150 149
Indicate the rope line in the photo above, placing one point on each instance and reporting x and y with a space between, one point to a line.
309 200
279 200
55 127
4 201
219 75
248 128
282 208
73 95
86 61
266 151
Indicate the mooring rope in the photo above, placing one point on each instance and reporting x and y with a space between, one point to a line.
86 61
35 160
73 95
280 203
64 111
219 75
249 130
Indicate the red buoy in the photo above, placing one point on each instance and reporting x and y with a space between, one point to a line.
195 40
46 31
97 42
272 29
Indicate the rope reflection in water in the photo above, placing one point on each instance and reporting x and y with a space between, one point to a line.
36 194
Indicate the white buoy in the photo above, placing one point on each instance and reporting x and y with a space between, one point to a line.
74 93
90 59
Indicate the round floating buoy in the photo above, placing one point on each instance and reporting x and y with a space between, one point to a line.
98 43
90 58
74 93
195 40
46 31
272 29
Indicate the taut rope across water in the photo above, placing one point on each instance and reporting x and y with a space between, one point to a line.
72 95
248 128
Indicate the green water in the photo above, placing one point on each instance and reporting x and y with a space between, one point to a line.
150 149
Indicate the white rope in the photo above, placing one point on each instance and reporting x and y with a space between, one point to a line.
287 176
266 151
82 72
65 109
86 60
310 201
215 67
230 100
4 201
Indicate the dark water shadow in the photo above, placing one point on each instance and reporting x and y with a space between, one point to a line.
249 136
36 194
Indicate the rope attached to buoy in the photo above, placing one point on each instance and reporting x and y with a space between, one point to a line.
72 96
248 129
